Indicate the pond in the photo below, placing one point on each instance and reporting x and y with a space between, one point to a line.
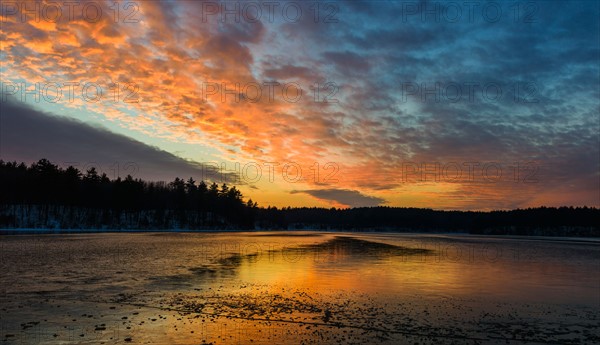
298 288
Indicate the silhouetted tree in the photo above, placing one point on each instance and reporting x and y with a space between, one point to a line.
93 200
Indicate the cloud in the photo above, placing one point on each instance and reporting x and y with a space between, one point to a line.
29 135
351 198
368 51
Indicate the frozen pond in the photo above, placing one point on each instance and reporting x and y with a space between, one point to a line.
297 288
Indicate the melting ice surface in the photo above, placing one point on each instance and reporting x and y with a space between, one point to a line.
297 288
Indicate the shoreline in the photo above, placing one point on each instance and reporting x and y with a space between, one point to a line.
38 231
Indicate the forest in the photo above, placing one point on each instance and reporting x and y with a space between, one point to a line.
45 196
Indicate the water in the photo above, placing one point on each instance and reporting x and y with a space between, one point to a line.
297 287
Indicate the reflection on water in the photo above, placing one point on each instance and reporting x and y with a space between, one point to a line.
297 287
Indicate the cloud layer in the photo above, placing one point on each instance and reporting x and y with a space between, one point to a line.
386 90
28 135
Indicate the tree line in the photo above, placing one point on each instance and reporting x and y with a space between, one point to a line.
44 195
540 221
45 190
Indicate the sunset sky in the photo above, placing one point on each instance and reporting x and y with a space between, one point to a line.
445 105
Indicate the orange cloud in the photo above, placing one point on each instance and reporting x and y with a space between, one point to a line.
210 82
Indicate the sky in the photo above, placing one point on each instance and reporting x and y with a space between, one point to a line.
447 105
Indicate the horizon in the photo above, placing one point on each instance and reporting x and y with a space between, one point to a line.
246 198
326 104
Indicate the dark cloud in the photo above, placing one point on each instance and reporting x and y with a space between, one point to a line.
29 135
243 31
347 62
290 72
346 197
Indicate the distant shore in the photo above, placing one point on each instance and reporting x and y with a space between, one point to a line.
286 232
